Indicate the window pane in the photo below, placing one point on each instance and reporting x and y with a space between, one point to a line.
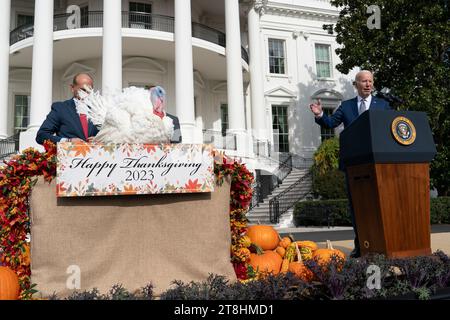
139 16
84 12
326 133
280 127
224 118
323 61
276 56
140 7
21 113
23 19
323 70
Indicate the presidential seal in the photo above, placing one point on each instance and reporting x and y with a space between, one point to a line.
403 131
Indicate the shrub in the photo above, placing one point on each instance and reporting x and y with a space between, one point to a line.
330 185
440 210
326 157
328 181
335 212
322 212
418 277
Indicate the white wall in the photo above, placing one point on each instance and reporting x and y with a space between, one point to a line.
300 33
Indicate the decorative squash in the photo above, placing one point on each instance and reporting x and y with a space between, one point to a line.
324 256
245 241
284 266
289 256
290 252
307 244
306 253
26 255
285 242
267 262
243 253
264 236
299 269
281 251
9 284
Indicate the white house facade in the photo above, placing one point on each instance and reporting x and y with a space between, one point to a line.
238 74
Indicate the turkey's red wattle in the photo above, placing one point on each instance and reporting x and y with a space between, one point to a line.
159 114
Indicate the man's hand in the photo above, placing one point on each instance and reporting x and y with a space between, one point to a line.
316 108
75 140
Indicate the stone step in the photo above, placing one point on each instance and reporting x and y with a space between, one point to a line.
264 215
278 192
284 219
284 188
259 209
262 210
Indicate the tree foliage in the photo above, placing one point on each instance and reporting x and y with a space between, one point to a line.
409 55
328 181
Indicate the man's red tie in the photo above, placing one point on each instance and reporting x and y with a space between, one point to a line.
84 124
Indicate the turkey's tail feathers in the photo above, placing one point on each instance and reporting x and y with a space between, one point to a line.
94 105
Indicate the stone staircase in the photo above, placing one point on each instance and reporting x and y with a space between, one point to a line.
260 214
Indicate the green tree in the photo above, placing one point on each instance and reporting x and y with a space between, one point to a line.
328 181
408 55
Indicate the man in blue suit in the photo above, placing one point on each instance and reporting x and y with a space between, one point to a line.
347 112
63 123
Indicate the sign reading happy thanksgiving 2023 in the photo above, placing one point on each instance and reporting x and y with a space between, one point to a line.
91 169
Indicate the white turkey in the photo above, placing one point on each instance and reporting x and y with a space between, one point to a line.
135 115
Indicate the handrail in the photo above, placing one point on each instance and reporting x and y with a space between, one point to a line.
134 20
288 162
285 167
288 198
9 146
298 162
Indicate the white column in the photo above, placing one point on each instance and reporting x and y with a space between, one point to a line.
42 68
184 75
42 71
256 78
5 12
112 46
235 92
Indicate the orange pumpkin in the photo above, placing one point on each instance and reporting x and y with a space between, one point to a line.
324 256
264 236
267 262
299 269
9 284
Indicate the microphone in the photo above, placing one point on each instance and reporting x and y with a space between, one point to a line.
386 94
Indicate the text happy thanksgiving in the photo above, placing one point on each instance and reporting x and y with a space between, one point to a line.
96 167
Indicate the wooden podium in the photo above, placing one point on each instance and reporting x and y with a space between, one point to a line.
386 155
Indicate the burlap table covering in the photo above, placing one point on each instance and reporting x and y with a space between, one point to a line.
128 240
